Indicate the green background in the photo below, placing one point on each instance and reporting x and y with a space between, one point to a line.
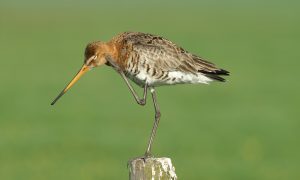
246 128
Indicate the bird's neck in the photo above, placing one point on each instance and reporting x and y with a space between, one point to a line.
114 49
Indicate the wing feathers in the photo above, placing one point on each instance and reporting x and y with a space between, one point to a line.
167 56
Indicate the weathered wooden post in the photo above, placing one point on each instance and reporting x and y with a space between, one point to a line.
151 169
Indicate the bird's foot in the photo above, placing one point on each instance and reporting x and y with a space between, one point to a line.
144 158
113 64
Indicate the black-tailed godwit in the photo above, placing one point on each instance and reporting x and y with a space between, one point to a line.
149 61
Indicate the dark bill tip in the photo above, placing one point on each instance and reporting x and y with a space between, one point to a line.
54 101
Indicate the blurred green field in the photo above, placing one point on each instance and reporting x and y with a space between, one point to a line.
247 128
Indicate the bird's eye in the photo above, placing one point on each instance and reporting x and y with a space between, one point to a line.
90 60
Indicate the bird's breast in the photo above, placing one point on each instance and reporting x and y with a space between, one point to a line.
143 73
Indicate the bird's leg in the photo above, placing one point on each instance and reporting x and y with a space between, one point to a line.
155 125
140 101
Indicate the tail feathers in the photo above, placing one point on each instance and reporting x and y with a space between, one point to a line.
215 75
222 72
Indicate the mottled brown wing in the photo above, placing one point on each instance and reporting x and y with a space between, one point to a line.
167 56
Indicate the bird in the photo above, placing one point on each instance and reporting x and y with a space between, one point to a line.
149 61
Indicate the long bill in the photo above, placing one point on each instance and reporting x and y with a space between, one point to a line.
81 72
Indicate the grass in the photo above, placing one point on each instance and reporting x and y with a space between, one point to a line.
246 128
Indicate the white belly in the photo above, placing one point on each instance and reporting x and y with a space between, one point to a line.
174 77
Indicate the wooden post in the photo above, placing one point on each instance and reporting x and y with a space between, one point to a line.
151 169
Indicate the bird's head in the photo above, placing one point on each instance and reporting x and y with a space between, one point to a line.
94 56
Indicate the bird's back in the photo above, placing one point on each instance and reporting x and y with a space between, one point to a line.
154 60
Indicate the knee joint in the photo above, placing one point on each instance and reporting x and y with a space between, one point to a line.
157 114
142 102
